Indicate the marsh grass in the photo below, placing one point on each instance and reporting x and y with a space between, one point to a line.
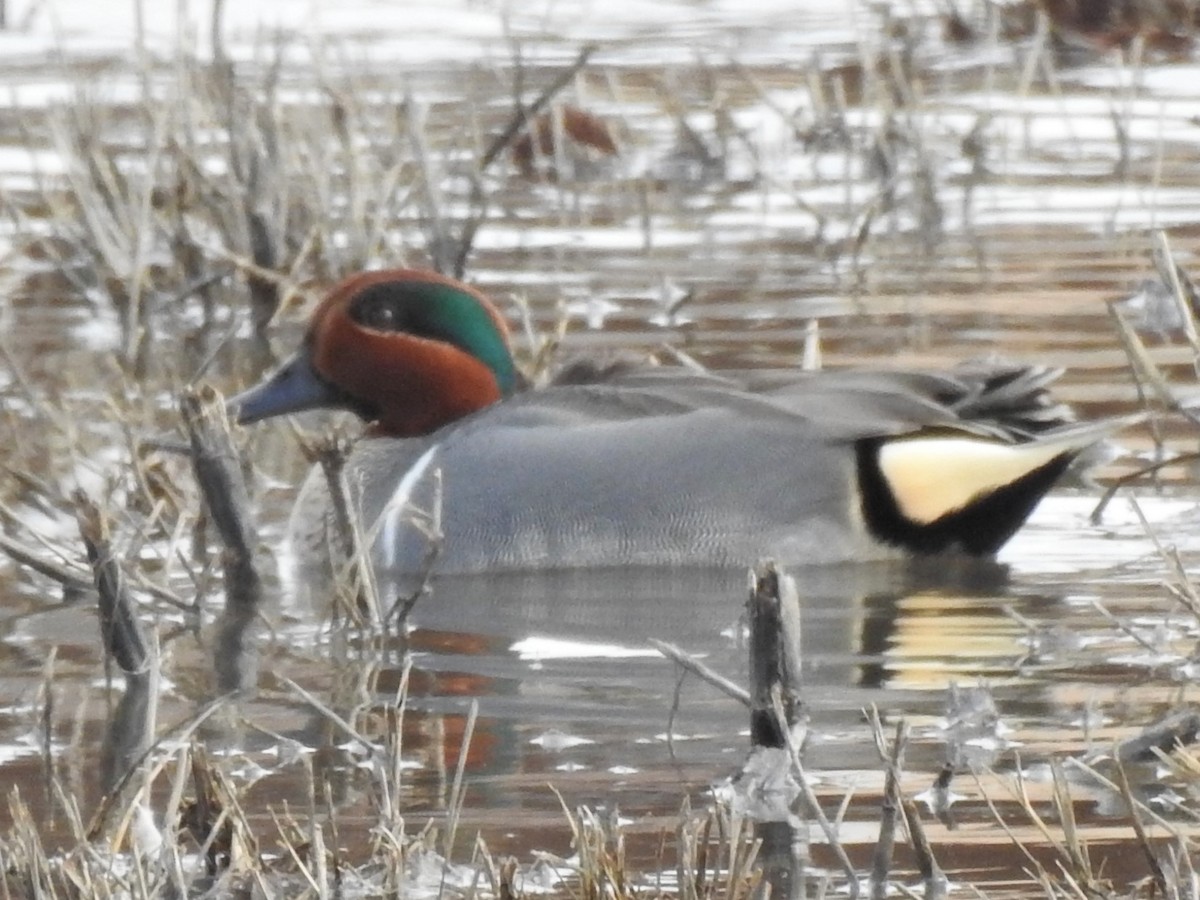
202 212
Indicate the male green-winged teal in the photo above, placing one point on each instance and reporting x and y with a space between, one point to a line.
651 465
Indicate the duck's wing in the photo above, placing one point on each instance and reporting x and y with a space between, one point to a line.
997 399
993 398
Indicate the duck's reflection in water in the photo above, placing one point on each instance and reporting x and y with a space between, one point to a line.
568 651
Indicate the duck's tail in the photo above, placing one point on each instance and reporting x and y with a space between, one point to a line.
1012 397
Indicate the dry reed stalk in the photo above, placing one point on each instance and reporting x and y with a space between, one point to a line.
354 576
1143 809
1139 829
1183 292
46 730
777 716
522 118
458 794
332 716
391 810
1097 514
120 630
1126 629
812 804
302 855
1148 377
183 731
689 866
890 802
935 881
254 187
430 525
1145 370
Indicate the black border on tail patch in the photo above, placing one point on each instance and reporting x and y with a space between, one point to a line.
980 528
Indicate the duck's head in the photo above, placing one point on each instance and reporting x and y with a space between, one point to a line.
407 350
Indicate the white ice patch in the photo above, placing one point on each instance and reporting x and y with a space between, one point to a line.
556 741
536 648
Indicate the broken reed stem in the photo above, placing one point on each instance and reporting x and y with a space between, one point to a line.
49 767
120 630
773 609
218 471
1145 371
1064 807
458 794
1147 811
392 806
776 710
438 236
333 717
216 464
330 452
171 737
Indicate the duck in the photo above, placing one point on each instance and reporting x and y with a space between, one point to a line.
622 463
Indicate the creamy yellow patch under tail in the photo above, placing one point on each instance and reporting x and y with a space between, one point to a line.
932 477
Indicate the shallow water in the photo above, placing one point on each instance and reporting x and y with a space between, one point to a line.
1074 635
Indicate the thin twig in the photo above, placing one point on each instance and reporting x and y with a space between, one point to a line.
70 577
700 670
521 116
1097 513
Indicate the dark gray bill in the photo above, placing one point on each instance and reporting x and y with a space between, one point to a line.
293 387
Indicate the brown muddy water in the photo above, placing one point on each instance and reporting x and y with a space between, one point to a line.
787 177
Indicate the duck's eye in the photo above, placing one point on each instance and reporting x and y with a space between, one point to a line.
381 315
